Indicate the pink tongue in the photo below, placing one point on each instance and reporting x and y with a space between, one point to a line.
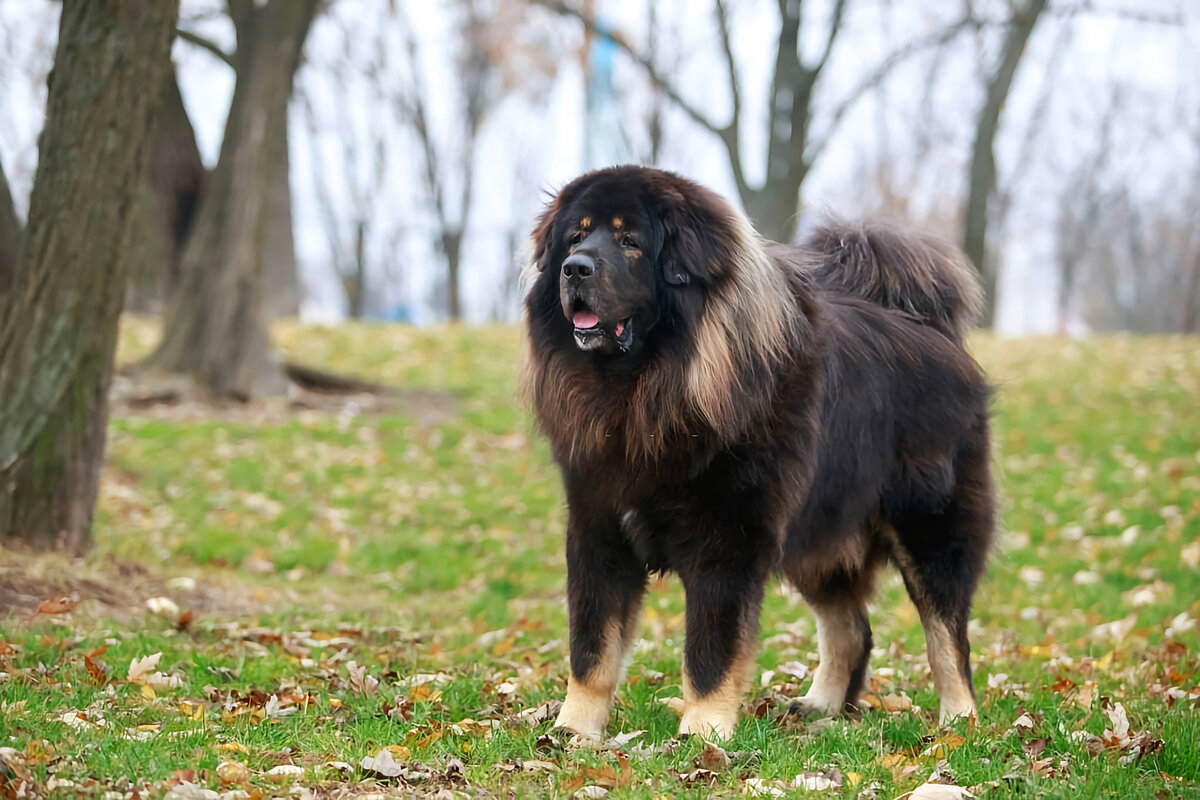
585 320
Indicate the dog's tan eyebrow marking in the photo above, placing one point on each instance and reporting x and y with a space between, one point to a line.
618 223
586 222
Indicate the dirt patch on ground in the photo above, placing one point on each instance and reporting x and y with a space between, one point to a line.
156 396
107 588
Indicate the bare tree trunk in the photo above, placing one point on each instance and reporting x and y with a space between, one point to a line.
10 235
58 317
283 299
790 153
982 177
216 325
168 203
177 176
452 247
356 285
1190 323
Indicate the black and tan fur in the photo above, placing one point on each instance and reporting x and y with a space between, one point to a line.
742 409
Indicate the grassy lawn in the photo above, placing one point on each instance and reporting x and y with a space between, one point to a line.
328 586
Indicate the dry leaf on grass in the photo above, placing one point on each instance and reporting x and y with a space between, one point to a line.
713 758
233 772
938 791
819 781
891 703
622 740
546 711
56 605
285 772
139 667
163 607
760 788
591 791
186 790
160 681
673 703
383 764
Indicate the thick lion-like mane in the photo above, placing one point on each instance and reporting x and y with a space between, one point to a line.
749 324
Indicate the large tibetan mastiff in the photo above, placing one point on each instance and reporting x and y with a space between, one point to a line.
725 408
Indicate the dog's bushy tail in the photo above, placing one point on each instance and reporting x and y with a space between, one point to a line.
916 273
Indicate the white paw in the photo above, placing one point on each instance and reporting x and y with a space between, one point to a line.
707 723
585 717
952 711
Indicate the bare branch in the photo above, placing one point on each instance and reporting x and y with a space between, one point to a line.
205 44
1131 14
726 45
1005 195
835 26
656 77
877 76
731 135
421 124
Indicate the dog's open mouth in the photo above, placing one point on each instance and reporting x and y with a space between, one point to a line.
592 334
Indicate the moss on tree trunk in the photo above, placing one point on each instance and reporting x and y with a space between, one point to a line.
58 316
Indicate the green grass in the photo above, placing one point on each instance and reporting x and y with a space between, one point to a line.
418 543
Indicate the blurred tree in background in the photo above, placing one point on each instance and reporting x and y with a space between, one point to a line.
981 175
61 297
215 325
429 131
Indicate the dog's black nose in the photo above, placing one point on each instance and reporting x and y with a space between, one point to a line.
579 266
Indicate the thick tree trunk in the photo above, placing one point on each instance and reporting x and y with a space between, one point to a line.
216 325
355 285
283 297
167 205
452 247
10 234
982 176
177 175
58 317
774 207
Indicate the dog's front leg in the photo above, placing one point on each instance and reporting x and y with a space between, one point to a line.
723 602
605 584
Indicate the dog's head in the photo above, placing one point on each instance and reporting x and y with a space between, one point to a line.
627 250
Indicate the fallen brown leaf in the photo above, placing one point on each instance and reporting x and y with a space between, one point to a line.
56 605
713 758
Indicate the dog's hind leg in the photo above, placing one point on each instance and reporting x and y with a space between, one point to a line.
941 557
839 602
605 584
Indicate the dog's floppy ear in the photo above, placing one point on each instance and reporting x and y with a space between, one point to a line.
547 224
543 232
695 235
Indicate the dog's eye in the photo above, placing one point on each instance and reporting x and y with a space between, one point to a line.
575 238
629 240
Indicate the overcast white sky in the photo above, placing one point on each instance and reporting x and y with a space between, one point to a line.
534 142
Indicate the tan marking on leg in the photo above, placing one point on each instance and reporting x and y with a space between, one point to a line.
715 715
954 693
952 688
585 708
839 645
